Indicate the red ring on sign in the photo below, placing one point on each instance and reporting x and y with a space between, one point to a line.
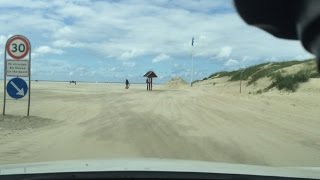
22 55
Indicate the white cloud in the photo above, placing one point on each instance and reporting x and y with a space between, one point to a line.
79 10
47 50
63 32
304 56
3 40
66 44
225 52
161 57
126 30
130 54
231 62
112 69
23 4
129 64
132 31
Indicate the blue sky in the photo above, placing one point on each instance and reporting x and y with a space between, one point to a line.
96 40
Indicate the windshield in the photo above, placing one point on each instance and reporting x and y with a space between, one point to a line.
178 80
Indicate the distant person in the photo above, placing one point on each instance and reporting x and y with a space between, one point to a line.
127 84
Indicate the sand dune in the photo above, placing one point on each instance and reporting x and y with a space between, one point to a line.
207 122
176 82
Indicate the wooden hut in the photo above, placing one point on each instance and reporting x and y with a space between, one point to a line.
149 75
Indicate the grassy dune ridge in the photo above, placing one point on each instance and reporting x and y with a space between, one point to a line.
282 75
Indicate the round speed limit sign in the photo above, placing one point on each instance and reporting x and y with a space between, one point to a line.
18 47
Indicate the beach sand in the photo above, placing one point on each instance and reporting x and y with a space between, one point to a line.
207 122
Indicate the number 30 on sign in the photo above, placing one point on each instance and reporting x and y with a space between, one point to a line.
18 47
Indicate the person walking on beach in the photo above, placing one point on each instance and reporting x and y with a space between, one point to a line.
127 84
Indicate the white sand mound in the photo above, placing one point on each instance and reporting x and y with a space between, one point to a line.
176 82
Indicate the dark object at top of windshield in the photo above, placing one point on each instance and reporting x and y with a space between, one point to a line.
288 19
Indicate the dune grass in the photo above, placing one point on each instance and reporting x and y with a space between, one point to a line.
273 70
222 74
255 72
289 82
246 73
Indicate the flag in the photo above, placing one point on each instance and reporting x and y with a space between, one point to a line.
192 41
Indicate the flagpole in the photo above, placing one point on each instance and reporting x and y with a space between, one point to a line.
192 68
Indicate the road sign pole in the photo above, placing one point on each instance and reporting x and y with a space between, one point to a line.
4 82
240 81
17 48
29 92
241 71
192 67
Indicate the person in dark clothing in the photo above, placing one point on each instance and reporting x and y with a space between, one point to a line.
127 84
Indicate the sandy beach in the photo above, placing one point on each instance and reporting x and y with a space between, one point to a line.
206 122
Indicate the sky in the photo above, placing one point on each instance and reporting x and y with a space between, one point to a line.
110 41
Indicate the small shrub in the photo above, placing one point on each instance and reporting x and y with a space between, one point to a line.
289 82
259 91
314 75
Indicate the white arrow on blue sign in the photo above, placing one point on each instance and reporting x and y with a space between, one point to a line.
17 88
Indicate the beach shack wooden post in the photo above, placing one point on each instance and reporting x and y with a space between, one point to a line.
149 75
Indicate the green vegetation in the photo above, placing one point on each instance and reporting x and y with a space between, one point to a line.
259 91
253 73
267 72
276 72
289 82
246 73
222 74
314 75
257 72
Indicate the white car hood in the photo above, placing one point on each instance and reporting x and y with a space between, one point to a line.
153 164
